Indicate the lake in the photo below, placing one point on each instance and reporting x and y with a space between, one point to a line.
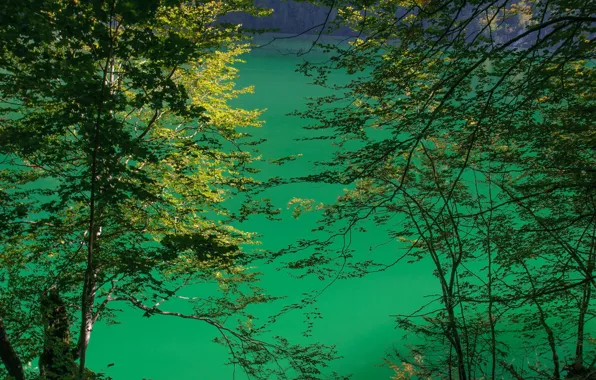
356 313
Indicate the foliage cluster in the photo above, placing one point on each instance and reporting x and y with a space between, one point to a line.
467 133
119 150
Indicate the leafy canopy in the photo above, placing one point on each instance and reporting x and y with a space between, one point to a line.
466 133
119 151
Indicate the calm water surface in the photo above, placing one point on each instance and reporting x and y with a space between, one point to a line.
356 313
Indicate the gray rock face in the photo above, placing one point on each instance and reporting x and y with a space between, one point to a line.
296 17
288 17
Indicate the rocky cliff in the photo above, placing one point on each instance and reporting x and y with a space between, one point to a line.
288 17
295 17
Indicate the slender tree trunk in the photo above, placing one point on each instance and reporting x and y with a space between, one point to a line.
450 305
469 354
9 356
447 288
459 352
491 315
88 296
491 320
549 332
578 362
450 359
579 345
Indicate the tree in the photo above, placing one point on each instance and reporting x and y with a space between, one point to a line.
120 152
469 123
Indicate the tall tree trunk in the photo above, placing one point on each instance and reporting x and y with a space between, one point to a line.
88 296
491 314
56 361
459 352
578 363
8 355
549 332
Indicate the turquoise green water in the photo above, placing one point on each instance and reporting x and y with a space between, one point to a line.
356 313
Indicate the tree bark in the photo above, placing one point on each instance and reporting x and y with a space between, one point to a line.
578 363
9 356
56 361
88 296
